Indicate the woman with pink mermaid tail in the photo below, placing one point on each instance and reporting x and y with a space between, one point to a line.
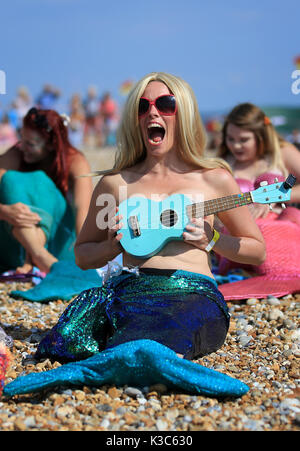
256 153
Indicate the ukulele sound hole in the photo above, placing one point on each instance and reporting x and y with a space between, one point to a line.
168 218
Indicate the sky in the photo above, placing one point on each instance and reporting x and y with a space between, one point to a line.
229 51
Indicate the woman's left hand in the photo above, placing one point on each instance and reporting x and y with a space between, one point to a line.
198 233
259 210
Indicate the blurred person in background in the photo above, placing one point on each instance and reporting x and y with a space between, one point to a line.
48 97
23 103
8 135
294 138
109 119
77 121
92 117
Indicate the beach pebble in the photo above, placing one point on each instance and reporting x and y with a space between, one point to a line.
30 422
64 411
159 388
297 420
244 340
171 414
121 410
272 300
187 418
241 323
132 391
275 314
161 425
19 425
289 324
252 301
296 352
289 405
295 335
105 423
104 407
248 328
253 425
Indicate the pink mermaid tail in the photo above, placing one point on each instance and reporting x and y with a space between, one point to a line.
279 275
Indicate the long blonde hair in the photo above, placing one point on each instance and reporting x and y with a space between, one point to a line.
191 133
250 117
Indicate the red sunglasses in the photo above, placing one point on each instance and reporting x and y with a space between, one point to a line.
165 105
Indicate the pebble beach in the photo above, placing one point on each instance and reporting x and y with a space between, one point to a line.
262 349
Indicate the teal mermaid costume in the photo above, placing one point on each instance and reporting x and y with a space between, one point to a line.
129 331
40 193
182 310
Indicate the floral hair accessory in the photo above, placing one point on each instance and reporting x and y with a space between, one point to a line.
267 120
66 119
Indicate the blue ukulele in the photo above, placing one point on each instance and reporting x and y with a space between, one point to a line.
149 225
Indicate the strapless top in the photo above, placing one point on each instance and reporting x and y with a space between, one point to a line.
247 185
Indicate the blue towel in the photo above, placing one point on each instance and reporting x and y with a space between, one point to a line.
64 281
139 363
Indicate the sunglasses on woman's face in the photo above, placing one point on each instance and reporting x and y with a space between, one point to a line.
165 105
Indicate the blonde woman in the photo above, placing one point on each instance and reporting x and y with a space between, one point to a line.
170 297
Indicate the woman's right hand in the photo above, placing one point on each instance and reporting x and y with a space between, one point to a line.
19 215
113 227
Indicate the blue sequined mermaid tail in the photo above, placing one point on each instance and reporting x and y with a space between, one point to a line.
129 332
81 330
182 310
138 363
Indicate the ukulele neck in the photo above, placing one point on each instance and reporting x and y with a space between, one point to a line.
210 207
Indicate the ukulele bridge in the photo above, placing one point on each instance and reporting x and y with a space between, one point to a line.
134 225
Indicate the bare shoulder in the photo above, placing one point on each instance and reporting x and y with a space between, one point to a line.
291 159
221 181
79 164
11 159
109 183
288 151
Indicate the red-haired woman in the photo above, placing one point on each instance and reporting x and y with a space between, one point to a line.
43 202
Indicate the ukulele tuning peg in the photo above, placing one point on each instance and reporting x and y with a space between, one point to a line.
263 183
283 205
270 206
275 180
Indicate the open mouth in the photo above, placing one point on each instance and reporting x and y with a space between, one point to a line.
156 133
239 154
